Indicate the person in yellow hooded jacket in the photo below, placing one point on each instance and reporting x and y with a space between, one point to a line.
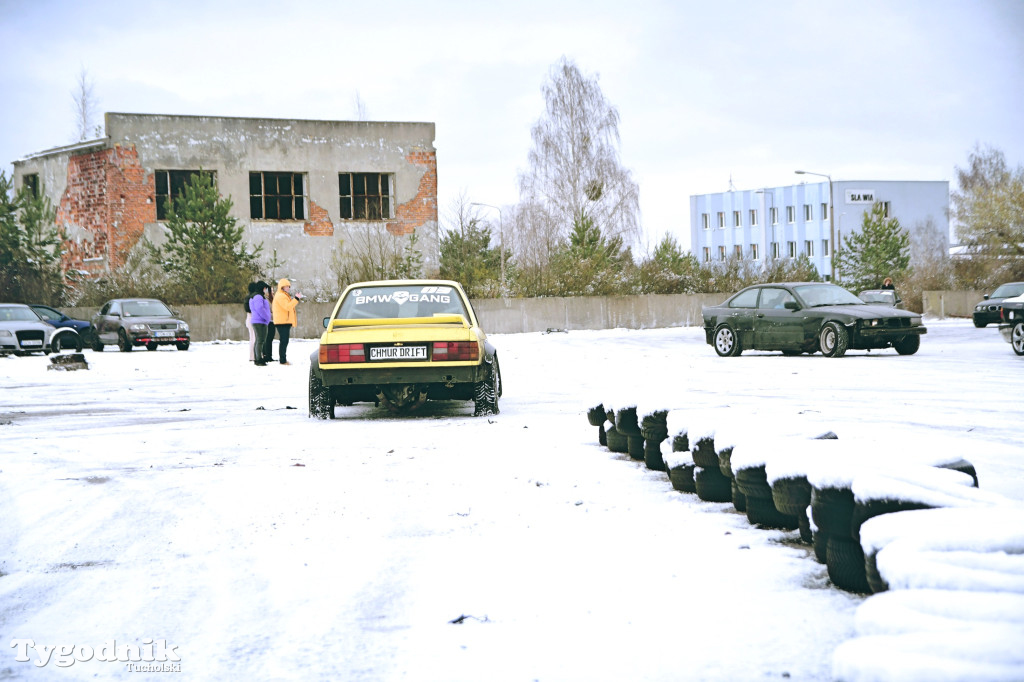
285 318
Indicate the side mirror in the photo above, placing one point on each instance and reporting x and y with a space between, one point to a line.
327 321
791 305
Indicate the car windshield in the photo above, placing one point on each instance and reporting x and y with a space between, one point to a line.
1008 290
145 309
886 297
815 295
410 300
17 314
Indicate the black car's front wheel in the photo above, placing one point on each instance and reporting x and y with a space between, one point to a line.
726 343
833 340
908 345
1017 338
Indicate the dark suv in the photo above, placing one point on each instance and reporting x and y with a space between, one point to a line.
130 322
987 312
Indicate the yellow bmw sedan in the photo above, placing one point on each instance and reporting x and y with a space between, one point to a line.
399 343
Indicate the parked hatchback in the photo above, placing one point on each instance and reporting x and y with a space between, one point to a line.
987 312
130 322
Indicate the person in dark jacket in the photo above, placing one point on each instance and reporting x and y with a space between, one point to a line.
260 306
887 284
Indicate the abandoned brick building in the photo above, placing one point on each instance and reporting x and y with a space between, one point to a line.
299 188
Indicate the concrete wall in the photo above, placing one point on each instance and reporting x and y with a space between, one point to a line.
522 315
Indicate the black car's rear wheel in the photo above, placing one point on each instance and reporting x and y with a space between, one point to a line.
726 343
833 340
486 392
151 345
95 343
1017 338
123 344
320 404
181 345
908 345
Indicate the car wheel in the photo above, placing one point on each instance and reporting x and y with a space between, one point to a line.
181 345
320 405
123 344
97 344
150 346
726 343
486 392
833 340
908 345
1017 338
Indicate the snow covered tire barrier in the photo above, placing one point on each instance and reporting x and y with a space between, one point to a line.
616 441
704 453
739 500
845 561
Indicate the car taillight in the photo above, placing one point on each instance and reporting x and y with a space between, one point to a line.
331 354
456 351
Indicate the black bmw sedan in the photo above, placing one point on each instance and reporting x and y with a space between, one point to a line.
806 317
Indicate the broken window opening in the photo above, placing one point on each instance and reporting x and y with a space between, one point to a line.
171 184
365 196
277 195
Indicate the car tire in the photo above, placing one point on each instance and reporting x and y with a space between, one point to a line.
833 340
682 478
183 345
727 344
711 485
123 344
151 346
486 392
704 453
1017 338
791 495
616 441
761 512
845 561
320 404
739 500
652 455
908 345
65 341
596 415
97 344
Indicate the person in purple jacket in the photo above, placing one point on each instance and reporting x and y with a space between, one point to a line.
260 307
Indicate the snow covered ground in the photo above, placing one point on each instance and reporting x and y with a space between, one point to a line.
184 504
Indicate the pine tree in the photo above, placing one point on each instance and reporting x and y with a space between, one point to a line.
31 247
880 249
204 254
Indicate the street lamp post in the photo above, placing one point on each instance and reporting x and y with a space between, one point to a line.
831 222
501 239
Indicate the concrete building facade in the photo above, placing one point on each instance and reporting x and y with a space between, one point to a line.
300 188
785 222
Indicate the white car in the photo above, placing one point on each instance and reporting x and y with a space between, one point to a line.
23 331
1011 322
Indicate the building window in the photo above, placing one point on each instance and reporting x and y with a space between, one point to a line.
721 219
824 247
277 196
824 211
737 250
171 184
809 248
808 212
721 253
885 208
774 214
775 250
753 252
753 217
791 214
736 222
791 247
707 254
365 196
30 182
706 219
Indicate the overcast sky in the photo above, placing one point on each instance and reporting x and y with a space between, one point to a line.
706 91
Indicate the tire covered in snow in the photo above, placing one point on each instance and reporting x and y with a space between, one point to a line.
596 415
832 511
680 443
682 478
711 485
753 482
739 500
652 455
762 512
626 422
845 561
635 447
725 462
616 441
704 454
791 495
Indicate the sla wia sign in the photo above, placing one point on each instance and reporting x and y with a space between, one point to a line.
860 196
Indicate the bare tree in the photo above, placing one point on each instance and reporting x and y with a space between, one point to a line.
359 107
575 169
84 106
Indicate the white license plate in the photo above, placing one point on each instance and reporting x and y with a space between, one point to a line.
34 342
163 333
398 353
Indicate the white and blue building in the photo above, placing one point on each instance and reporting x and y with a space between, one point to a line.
773 223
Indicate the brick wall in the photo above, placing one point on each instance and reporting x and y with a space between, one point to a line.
423 207
105 206
319 223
